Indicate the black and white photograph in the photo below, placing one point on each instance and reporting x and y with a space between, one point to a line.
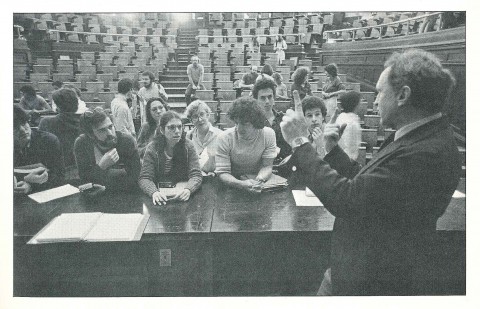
264 157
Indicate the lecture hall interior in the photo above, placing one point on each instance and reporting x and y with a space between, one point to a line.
220 240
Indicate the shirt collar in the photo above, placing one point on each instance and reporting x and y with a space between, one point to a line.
412 126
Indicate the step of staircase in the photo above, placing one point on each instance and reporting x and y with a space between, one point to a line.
174 84
183 77
175 90
174 71
177 100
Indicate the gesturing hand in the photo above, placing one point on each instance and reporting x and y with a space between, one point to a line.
38 175
317 133
108 159
293 124
22 187
333 132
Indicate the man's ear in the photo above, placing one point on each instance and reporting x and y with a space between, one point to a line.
403 95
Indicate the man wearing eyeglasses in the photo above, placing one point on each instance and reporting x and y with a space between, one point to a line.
105 156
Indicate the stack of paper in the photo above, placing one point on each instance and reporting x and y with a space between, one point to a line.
48 195
305 198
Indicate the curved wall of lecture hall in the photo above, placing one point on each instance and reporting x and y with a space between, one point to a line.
363 60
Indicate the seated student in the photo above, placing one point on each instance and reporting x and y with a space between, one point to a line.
249 148
65 125
31 102
82 106
266 72
263 91
204 135
315 111
149 90
105 156
170 158
333 86
155 107
248 79
352 134
32 146
281 92
300 82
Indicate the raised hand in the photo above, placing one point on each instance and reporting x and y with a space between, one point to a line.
293 124
333 132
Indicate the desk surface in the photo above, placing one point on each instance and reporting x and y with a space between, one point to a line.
214 208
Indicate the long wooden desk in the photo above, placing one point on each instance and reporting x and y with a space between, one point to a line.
220 242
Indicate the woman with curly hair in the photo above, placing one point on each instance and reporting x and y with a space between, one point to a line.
333 86
300 82
154 109
249 148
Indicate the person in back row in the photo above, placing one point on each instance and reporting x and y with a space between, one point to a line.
65 125
300 82
32 146
170 158
264 92
155 108
31 102
105 156
195 78
204 135
149 90
248 79
121 113
247 150
352 135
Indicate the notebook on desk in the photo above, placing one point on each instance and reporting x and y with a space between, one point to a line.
92 227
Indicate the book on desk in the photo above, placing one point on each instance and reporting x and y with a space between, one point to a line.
92 227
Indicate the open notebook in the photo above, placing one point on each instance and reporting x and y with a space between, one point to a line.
94 226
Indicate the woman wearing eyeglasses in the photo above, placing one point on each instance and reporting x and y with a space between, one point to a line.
170 158
155 107
203 135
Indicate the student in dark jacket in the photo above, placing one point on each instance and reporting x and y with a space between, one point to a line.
384 236
65 125
105 156
32 146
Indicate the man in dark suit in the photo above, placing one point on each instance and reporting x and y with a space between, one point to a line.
386 212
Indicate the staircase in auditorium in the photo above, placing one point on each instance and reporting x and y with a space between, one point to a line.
175 79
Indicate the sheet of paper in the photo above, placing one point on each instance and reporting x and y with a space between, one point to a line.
68 227
52 194
458 194
301 199
115 227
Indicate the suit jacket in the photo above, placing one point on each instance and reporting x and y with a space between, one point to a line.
386 213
